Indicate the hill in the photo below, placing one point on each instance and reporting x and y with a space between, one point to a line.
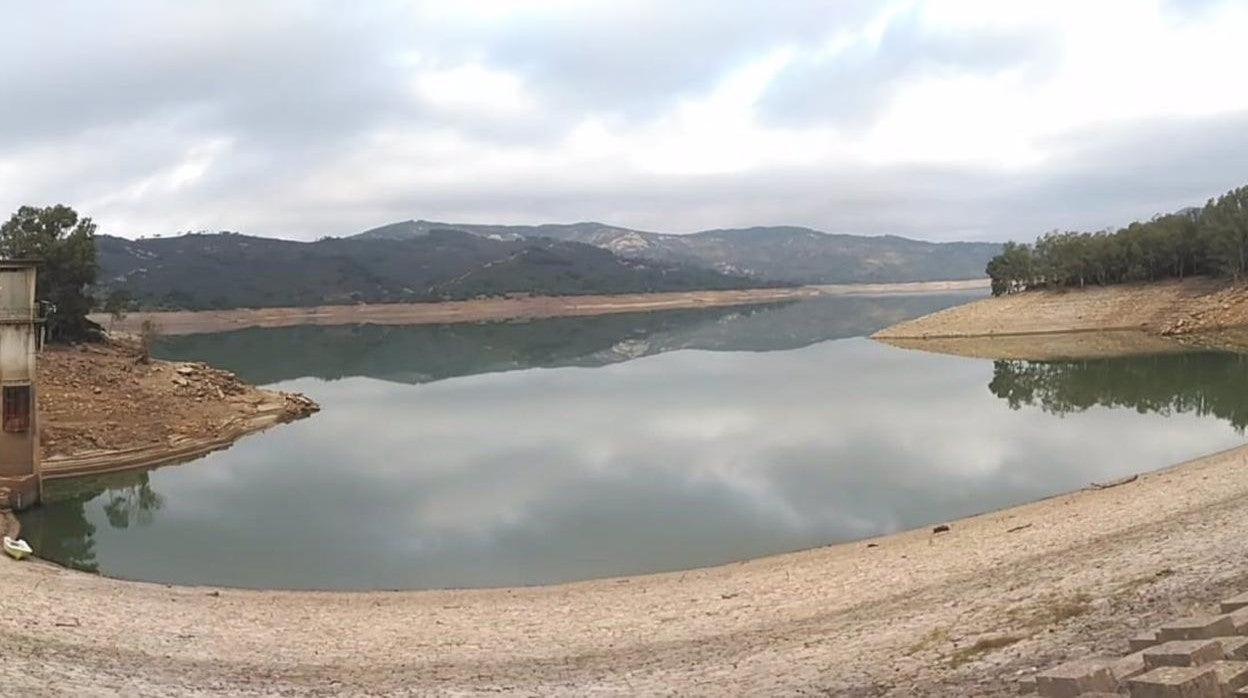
228 270
781 253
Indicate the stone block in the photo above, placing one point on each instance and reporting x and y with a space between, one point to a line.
1239 621
1073 679
1183 653
1128 667
1234 647
1235 603
1176 682
1232 675
1197 628
1143 640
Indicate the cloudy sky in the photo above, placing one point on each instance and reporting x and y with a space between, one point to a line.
973 119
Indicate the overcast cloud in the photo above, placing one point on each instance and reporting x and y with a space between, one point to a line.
940 120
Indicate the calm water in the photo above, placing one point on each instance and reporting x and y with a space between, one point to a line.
521 453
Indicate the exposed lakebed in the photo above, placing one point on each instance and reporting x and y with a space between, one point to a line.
554 450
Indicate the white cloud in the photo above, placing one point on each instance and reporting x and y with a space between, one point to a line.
935 119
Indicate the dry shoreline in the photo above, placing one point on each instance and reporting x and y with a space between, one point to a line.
903 615
495 309
481 310
1168 308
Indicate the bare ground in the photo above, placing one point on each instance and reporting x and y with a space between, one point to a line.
100 409
1165 308
963 613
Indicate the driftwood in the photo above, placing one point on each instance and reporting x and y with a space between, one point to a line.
1016 529
1114 483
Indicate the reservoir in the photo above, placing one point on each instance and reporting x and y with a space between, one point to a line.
502 454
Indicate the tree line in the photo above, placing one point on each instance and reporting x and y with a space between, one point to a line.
1211 240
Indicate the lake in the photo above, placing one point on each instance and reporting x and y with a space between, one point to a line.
535 452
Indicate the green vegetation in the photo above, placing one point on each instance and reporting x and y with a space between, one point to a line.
65 244
1212 241
228 270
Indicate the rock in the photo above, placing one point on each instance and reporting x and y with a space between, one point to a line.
185 370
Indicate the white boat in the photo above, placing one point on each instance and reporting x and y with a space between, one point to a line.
17 549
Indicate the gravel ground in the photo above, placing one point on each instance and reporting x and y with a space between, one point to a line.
965 613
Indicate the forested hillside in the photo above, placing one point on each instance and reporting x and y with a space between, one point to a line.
1212 241
228 270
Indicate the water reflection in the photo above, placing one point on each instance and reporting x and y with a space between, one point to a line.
424 353
545 463
62 531
1205 384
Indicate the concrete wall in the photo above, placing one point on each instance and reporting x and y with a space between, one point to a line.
18 346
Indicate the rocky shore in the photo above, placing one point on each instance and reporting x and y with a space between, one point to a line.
101 408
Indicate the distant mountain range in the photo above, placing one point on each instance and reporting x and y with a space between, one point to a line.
427 261
779 253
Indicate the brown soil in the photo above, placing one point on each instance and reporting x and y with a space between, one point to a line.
196 321
100 408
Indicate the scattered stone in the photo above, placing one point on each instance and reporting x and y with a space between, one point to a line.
943 528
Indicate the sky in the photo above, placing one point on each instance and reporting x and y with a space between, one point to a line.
965 119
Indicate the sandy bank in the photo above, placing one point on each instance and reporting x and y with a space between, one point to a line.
910 614
197 321
100 409
1166 308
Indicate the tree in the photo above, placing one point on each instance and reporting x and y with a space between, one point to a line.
65 244
116 305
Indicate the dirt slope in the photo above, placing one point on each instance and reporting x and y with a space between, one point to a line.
102 409
1171 307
